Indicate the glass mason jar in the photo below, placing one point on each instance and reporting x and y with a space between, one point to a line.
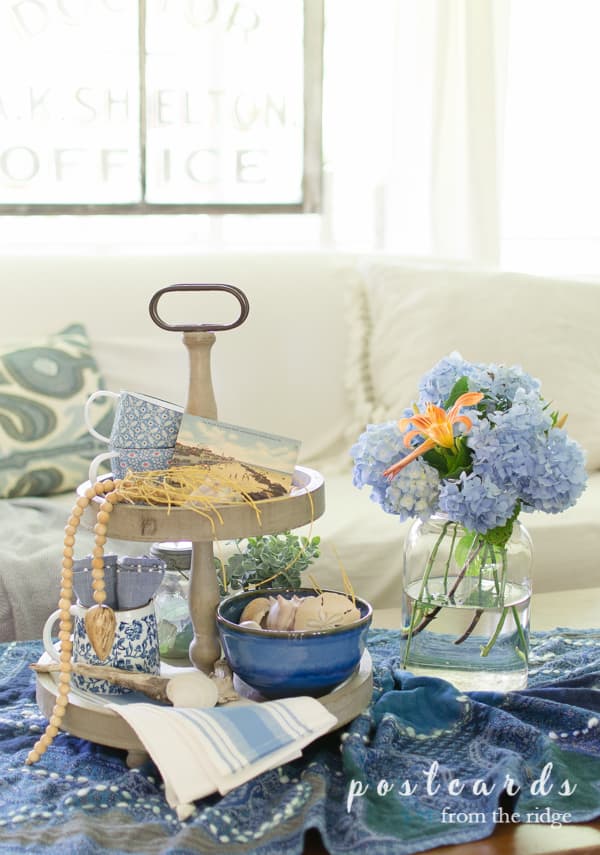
465 605
175 630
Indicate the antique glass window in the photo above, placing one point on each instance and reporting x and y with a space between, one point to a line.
113 106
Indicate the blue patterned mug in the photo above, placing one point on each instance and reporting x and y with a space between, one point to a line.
134 459
140 421
135 647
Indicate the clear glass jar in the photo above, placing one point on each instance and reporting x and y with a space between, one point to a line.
175 630
466 605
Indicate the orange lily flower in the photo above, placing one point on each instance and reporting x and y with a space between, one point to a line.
436 425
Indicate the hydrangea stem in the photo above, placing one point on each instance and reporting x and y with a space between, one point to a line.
450 554
470 628
500 586
418 607
522 638
485 650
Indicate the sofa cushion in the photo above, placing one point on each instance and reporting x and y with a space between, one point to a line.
404 320
44 445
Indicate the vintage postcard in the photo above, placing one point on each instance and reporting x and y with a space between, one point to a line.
239 459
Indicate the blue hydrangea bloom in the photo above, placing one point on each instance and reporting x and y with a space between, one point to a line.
413 492
376 449
436 385
502 382
504 444
559 474
498 382
476 502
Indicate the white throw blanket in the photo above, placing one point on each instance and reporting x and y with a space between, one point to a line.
31 545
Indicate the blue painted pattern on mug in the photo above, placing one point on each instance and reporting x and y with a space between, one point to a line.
135 648
142 422
140 460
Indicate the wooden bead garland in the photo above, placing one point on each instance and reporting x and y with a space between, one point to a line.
109 490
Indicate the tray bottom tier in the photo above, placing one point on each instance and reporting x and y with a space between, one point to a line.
89 718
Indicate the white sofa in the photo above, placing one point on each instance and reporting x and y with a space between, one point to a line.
332 342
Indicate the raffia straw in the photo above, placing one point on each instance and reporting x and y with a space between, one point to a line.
300 552
315 584
179 488
348 589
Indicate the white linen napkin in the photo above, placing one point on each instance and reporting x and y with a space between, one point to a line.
199 751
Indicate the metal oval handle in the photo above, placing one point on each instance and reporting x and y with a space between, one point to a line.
230 289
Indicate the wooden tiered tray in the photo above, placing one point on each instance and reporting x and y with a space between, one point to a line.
86 716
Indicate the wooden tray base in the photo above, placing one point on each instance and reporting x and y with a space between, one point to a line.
88 718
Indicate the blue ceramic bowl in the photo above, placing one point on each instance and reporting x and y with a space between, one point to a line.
281 664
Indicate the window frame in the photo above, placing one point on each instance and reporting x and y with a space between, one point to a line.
312 181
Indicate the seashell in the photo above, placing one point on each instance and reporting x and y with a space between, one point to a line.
340 604
100 625
282 613
251 624
256 610
192 689
325 611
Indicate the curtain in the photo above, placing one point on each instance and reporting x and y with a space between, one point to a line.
469 81
414 103
450 80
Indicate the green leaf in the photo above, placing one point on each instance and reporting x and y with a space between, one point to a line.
500 535
437 460
466 546
460 387
482 599
460 460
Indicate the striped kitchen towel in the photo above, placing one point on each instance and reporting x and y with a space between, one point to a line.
200 751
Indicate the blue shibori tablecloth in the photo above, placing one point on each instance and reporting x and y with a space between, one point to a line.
424 766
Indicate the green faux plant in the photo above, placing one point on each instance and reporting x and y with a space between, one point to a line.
275 560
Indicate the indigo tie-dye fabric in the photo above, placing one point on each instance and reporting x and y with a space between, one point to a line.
424 766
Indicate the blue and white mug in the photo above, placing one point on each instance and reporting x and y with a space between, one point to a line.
135 647
140 421
124 460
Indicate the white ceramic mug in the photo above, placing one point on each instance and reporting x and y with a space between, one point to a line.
135 647
140 421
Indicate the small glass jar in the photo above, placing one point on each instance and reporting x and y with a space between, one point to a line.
175 630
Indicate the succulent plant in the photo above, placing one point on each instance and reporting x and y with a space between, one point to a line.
278 558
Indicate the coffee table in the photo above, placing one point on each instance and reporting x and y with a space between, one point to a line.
511 840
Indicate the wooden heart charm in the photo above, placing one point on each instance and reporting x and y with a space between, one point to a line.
100 625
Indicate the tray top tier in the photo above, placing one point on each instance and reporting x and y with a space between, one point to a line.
305 503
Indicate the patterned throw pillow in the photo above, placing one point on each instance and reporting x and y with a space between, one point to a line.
44 444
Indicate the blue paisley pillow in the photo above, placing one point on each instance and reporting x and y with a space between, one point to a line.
44 444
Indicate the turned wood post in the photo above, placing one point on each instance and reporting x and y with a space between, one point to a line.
203 595
201 396
203 599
